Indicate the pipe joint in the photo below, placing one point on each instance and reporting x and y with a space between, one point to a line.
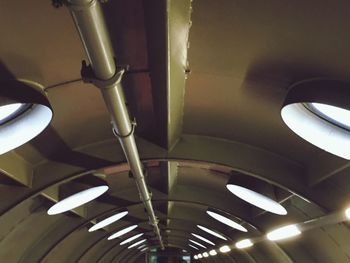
88 76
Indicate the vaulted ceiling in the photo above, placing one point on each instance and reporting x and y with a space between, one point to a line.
206 82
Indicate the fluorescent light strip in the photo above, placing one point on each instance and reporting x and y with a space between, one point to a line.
203 239
196 243
211 232
257 199
131 239
193 247
226 221
108 221
122 232
245 243
283 233
137 243
77 199
224 249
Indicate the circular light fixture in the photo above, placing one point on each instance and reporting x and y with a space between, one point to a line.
245 243
142 246
205 254
196 248
122 232
195 257
224 249
197 243
209 231
131 239
108 221
318 111
77 199
24 113
226 221
144 249
199 256
137 243
347 213
283 233
213 252
257 199
203 239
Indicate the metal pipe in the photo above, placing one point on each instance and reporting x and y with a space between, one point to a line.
88 18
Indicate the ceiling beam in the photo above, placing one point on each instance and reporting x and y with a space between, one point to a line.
167 29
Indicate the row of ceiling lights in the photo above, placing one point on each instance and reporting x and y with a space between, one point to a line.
278 234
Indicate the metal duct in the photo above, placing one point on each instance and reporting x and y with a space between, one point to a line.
89 20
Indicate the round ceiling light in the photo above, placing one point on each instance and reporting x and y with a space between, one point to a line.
203 239
131 239
226 221
318 111
122 232
209 231
257 199
283 233
196 248
77 199
197 243
108 221
24 113
137 243
213 252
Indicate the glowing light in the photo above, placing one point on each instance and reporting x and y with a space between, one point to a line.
108 221
137 243
257 199
195 257
245 243
7 111
199 256
24 127
193 247
196 243
224 249
144 249
226 221
338 115
122 232
142 246
131 239
203 239
316 130
347 213
205 254
209 231
283 233
213 252
77 199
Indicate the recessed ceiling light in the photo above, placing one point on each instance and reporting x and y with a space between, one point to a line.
317 111
226 221
196 243
257 199
144 249
199 256
108 221
142 246
122 232
209 231
24 113
131 239
137 243
195 257
203 239
245 243
283 233
224 249
77 199
205 254
196 248
213 252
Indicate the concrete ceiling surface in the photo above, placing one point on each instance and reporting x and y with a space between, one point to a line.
206 82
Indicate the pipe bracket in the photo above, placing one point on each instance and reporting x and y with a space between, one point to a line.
88 76
132 131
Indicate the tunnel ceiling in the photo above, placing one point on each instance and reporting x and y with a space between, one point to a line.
206 82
